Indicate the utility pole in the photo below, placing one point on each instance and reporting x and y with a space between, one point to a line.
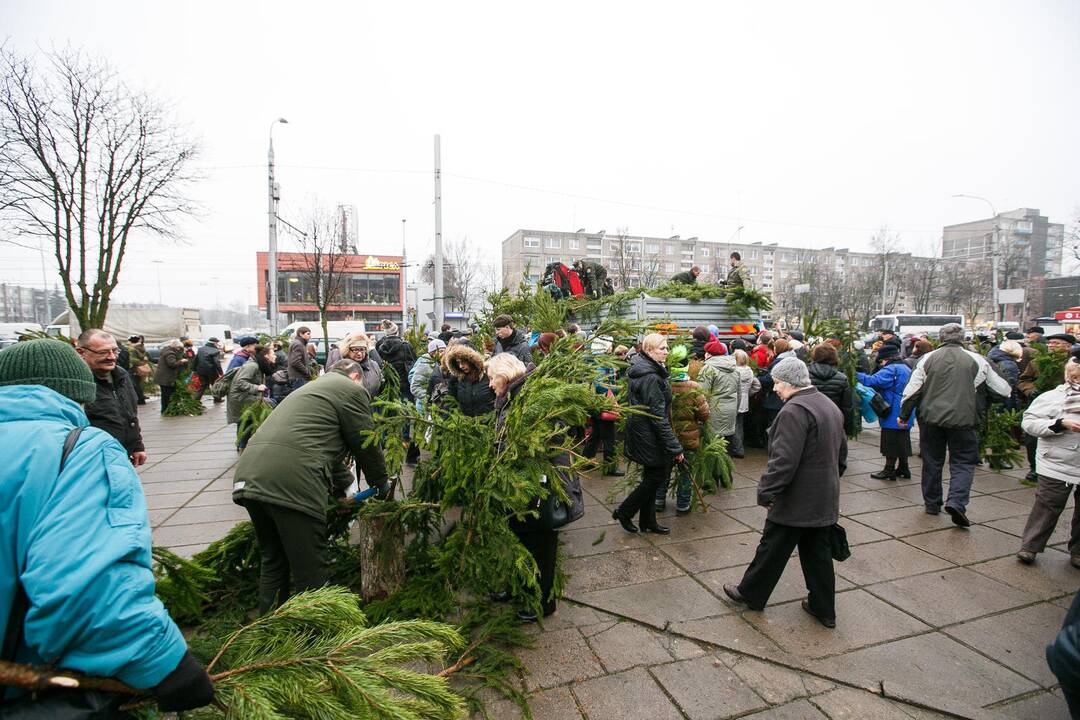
437 322
884 282
273 195
404 283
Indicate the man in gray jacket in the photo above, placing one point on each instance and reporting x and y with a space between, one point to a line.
801 489
943 388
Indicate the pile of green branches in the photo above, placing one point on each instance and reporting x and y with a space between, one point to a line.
183 401
711 466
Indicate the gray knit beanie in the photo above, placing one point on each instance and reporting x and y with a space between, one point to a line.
51 363
791 370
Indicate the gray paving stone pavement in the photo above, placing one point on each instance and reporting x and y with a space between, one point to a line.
933 621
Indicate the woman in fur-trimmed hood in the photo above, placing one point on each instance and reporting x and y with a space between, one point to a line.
466 382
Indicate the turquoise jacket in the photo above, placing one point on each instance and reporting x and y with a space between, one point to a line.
80 543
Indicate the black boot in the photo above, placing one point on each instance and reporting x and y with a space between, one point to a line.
903 471
888 473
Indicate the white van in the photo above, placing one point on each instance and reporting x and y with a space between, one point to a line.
221 332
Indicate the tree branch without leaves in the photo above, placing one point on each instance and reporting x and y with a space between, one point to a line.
85 162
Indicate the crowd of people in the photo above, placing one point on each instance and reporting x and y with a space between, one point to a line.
776 390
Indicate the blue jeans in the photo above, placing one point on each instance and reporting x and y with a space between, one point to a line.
683 491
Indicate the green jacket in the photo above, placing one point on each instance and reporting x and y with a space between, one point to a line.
739 275
296 459
685 277
244 390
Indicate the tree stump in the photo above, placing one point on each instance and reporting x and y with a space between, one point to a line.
381 542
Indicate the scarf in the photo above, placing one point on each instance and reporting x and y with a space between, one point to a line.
1070 409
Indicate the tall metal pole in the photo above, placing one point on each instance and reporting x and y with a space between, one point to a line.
404 283
272 198
438 309
884 283
993 251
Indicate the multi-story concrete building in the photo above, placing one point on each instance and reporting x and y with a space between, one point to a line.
26 304
1030 245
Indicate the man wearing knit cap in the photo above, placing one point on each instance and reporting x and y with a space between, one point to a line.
943 388
801 489
75 576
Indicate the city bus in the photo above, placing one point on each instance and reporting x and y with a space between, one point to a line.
904 325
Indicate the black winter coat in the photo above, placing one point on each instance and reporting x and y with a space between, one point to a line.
650 440
116 410
834 385
474 398
208 361
517 345
807 456
399 355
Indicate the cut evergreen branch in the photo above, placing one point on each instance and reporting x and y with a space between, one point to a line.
316 656
253 416
183 401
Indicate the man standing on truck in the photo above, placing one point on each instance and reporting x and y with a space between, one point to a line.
687 277
738 275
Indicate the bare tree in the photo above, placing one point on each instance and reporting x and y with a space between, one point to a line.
622 262
921 279
1072 237
86 161
463 275
322 267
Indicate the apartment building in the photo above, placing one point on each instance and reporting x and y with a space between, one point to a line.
1030 245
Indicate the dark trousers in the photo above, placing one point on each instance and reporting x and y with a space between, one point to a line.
291 543
963 448
166 396
603 434
1061 657
1050 499
773 552
543 545
1031 443
735 442
642 498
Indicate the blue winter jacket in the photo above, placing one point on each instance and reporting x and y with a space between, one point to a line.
80 544
890 381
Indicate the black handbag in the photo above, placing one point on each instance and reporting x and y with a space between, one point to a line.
880 405
841 551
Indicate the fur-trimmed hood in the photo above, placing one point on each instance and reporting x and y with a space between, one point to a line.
465 356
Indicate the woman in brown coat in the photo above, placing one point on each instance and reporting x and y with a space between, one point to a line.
689 408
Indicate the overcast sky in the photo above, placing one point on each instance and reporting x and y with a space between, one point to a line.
807 123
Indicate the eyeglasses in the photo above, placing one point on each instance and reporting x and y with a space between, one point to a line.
110 352
357 349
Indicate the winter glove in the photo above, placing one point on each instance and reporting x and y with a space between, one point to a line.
185 688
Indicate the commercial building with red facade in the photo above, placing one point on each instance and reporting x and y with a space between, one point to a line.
373 289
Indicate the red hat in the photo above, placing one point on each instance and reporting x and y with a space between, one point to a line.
715 347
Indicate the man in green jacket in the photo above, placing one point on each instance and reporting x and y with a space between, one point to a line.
295 463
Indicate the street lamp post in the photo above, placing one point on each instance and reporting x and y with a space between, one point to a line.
404 283
272 198
158 263
993 251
